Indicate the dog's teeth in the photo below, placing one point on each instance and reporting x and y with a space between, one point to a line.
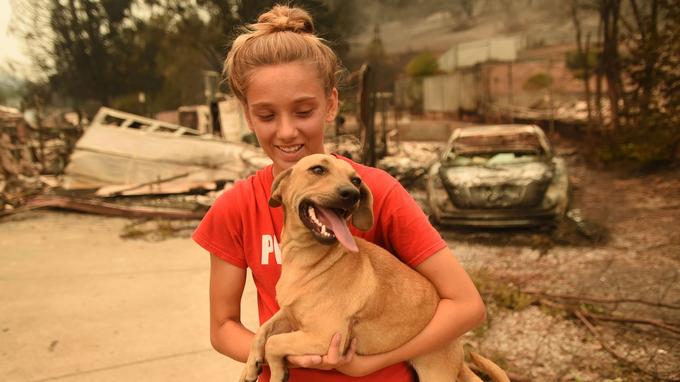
323 229
312 213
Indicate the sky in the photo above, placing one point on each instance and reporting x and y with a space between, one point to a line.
10 46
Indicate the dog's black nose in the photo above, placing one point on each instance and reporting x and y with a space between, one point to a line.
349 194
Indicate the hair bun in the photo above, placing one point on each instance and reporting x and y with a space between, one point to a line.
282 18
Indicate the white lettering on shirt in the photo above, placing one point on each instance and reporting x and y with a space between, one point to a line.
269 245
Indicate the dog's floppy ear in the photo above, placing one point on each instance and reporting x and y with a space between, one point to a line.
362 218
277 187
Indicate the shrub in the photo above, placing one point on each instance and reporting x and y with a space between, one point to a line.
424 64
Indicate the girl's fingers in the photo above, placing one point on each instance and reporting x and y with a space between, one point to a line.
334 352
333 359
351 351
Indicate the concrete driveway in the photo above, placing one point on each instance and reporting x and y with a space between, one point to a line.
78 303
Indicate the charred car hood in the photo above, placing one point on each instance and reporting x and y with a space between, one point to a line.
517 185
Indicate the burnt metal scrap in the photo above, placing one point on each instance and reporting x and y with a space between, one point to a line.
94 206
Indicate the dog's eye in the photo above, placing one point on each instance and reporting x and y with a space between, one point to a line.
356 181
318 170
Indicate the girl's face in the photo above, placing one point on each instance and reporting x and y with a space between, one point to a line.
286 109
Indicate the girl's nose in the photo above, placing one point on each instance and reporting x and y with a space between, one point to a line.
286 129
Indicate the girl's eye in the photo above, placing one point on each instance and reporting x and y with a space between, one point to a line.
266 117
304 113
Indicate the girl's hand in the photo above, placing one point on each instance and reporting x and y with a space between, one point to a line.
360 366
332 360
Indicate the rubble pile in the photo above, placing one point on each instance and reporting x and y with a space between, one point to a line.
346 145
19 175
123 165
411 162
128 165
32 156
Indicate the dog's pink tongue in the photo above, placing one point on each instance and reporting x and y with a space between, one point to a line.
339 228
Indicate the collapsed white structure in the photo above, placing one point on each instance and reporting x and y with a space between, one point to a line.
131 151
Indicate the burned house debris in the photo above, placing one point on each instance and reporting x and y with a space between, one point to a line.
29 155
122 154
410 162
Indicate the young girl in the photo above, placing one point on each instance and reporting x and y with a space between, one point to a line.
285 78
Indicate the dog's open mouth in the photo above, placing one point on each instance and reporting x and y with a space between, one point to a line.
327 224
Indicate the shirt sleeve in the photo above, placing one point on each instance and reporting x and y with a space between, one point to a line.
220 231
407 229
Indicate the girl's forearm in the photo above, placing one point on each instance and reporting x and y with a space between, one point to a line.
233 340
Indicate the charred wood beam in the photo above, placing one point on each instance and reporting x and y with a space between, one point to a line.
102 208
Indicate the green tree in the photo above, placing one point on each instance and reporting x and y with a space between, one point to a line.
538 81
651 133
109 51
424 64
639 60
87 49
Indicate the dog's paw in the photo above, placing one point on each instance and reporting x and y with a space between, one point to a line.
280 376
252 370
243 378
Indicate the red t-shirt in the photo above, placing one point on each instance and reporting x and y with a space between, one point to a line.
242 229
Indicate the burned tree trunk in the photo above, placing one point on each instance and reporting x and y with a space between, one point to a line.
367 115
583 54
610 11
647 30
586 82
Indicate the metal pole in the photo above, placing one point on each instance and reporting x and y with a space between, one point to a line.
510 94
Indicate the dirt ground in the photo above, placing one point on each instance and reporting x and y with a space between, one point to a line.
596 299
79 303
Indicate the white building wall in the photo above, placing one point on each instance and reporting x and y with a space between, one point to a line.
440 93
471 53
451 92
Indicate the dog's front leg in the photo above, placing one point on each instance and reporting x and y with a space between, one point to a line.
293 343
275 325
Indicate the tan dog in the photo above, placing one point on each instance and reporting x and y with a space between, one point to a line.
334 283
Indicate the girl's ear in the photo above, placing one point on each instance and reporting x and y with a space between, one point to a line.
332 108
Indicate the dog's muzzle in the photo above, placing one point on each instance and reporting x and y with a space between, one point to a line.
329 223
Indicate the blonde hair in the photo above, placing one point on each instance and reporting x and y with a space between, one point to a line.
281 35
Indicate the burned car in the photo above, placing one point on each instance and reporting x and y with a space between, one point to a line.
498 176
